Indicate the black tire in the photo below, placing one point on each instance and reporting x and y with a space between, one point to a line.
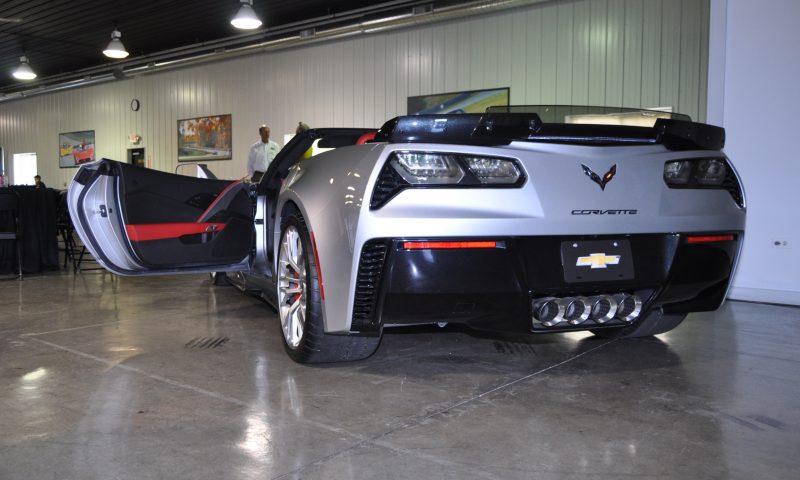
312 345
219 278
654 323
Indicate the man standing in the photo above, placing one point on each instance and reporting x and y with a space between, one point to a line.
262 152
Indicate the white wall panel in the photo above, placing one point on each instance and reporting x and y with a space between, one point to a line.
565 35
582 32
550 59
615 52
703 61
597 51
632 55
671 35
519 44
758 78
533 58
606 52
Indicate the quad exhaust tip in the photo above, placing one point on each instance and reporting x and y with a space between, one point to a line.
548 311
628 307
603 308
599 309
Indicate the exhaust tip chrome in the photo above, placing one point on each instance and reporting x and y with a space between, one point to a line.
599 309
602 308
548 311
628 307
576 310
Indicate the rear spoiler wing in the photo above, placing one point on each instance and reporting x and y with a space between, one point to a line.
503 128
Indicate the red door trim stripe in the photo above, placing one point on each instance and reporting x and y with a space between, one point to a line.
161 231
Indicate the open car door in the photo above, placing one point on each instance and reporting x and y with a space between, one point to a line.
138 221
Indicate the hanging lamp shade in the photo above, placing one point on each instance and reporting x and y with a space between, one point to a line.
24 70
115 48
246 18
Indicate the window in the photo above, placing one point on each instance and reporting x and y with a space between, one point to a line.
24 168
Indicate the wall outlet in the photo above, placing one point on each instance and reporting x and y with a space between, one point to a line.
780 243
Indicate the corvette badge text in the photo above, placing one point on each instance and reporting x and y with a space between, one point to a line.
605 212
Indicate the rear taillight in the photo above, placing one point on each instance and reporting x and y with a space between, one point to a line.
410 169
493 170
711 171
434 168
421 168
697 173
704 172
677 172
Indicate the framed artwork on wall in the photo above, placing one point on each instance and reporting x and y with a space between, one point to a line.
472 101
75 148
205 138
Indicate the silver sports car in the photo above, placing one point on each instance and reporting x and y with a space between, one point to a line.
522 219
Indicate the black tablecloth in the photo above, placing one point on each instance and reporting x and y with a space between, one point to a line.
39 233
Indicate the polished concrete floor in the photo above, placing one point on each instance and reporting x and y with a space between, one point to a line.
171 378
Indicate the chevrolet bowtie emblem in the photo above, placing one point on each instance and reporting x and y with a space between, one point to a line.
597 260
596 178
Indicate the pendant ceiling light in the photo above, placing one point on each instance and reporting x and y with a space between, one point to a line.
246 18
115 48
24 71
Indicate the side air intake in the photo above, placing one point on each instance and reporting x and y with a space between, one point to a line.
368 280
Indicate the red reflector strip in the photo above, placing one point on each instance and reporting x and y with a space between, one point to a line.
319 268
710 239
447 245
160 231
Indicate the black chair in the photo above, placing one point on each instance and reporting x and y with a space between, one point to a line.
66 230
10 224
81 255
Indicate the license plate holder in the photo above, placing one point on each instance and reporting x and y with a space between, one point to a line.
597 260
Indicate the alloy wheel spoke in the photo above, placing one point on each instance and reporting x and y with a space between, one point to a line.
293 290
299 324
287 325
288 278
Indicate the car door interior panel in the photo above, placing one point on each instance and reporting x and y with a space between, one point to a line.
174 220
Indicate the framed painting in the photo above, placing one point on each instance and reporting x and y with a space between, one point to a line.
472 101
75 148
205 138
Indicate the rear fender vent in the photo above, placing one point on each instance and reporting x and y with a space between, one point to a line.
732 185
389 184
368 282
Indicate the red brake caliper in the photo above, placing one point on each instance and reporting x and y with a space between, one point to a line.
297 295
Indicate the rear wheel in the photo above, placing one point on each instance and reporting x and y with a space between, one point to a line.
300 304
654 323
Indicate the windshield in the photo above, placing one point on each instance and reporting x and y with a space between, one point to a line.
634 117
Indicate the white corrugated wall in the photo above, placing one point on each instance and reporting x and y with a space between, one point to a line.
600 52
